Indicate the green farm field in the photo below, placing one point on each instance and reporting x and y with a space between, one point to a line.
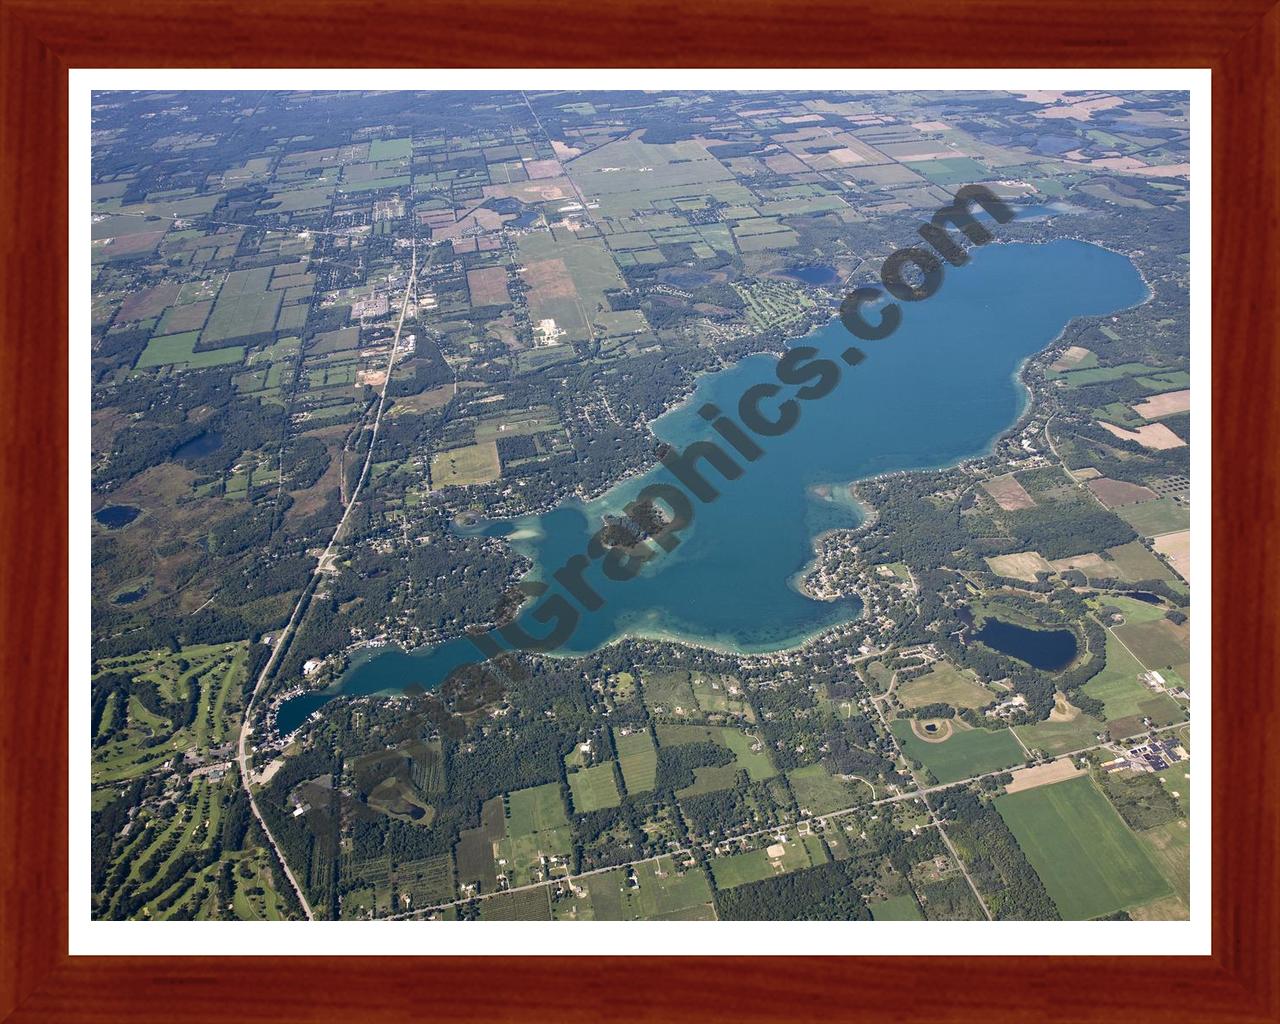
1057 737
660 893
1153 518
535 809
594 788
1135 562
966 753
1089 861
461 467
179 350
1122 692
741 868
638 759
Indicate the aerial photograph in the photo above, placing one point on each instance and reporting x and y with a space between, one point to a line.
638 506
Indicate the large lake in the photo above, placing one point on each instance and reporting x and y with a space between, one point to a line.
942 388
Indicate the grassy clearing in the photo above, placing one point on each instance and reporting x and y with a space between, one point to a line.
750 754
774 859
1120 688
945 684
1158 645
464 467
653 891
819 792
967 753
1057 737
1089 861
897 908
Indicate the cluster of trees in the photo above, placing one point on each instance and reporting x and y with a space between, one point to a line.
1060 529
1140 798
828 892
676 764
999 868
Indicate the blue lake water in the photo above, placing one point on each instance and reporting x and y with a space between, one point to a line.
116 516
1047 649
942 388
815 274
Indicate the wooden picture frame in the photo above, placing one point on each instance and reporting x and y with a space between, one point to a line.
41 40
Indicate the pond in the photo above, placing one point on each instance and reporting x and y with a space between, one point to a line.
116 516
1047 649
817 274
204 444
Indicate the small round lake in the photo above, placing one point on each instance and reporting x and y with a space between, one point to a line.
116 516
204 444
816 274
1047 649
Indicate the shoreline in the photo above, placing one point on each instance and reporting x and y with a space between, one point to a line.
870 515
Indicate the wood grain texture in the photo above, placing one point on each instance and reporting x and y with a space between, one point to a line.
40 40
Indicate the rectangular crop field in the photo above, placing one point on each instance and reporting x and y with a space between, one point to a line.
1022 565
638 759
594 788
1008 493
1152 518
535 809
1135 563
464 467
1158 645
238 316
178 350
1089 861
474 851
525 905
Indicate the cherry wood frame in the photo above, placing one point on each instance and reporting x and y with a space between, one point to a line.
41 39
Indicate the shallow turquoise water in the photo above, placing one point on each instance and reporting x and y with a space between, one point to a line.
940 389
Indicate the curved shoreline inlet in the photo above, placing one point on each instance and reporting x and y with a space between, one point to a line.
941 389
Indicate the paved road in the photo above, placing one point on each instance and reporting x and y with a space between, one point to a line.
242 752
